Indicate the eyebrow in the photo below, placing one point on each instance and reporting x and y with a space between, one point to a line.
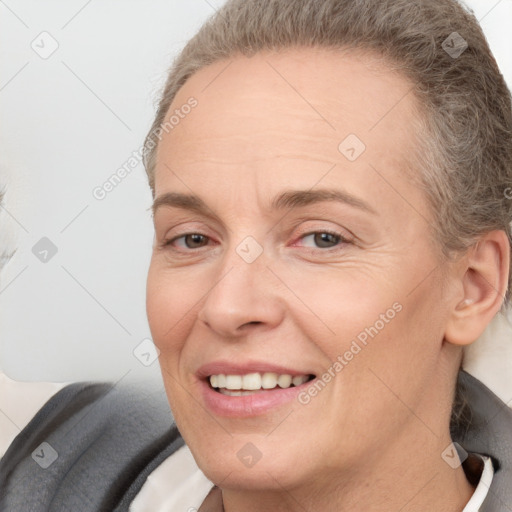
288 199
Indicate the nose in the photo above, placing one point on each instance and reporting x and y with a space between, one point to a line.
243 296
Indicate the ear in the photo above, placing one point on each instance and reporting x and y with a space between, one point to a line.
483 282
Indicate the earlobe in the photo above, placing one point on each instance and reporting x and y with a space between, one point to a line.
484 281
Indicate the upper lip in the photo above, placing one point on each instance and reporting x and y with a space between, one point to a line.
243 368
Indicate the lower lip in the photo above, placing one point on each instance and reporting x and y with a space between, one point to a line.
248 405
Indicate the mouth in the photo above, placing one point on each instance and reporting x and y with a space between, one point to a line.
255 382
250 388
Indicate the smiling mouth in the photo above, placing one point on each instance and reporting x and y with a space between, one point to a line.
251 383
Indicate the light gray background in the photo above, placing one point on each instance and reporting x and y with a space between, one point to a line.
69 122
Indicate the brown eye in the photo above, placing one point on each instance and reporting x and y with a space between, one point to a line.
188 241
326 239
194 240
322 239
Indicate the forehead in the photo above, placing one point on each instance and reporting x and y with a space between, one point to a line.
285 112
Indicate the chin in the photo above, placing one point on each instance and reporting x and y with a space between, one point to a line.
249 461
263 476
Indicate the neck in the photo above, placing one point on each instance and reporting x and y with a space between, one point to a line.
410 479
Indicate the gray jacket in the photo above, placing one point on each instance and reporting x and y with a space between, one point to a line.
92 446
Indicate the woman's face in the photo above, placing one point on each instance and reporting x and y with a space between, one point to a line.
284 246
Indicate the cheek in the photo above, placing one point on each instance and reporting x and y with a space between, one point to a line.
332 306
361 320
168 304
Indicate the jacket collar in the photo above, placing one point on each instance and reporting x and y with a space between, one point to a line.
489 433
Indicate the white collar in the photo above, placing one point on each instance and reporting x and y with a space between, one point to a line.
482 489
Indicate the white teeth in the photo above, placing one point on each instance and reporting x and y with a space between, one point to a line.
230 392
269 380
253 382
250 381
300 379
233 381
284 381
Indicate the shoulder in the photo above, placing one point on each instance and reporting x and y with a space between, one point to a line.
89 448
488 431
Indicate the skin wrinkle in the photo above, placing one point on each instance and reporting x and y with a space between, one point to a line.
385 418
